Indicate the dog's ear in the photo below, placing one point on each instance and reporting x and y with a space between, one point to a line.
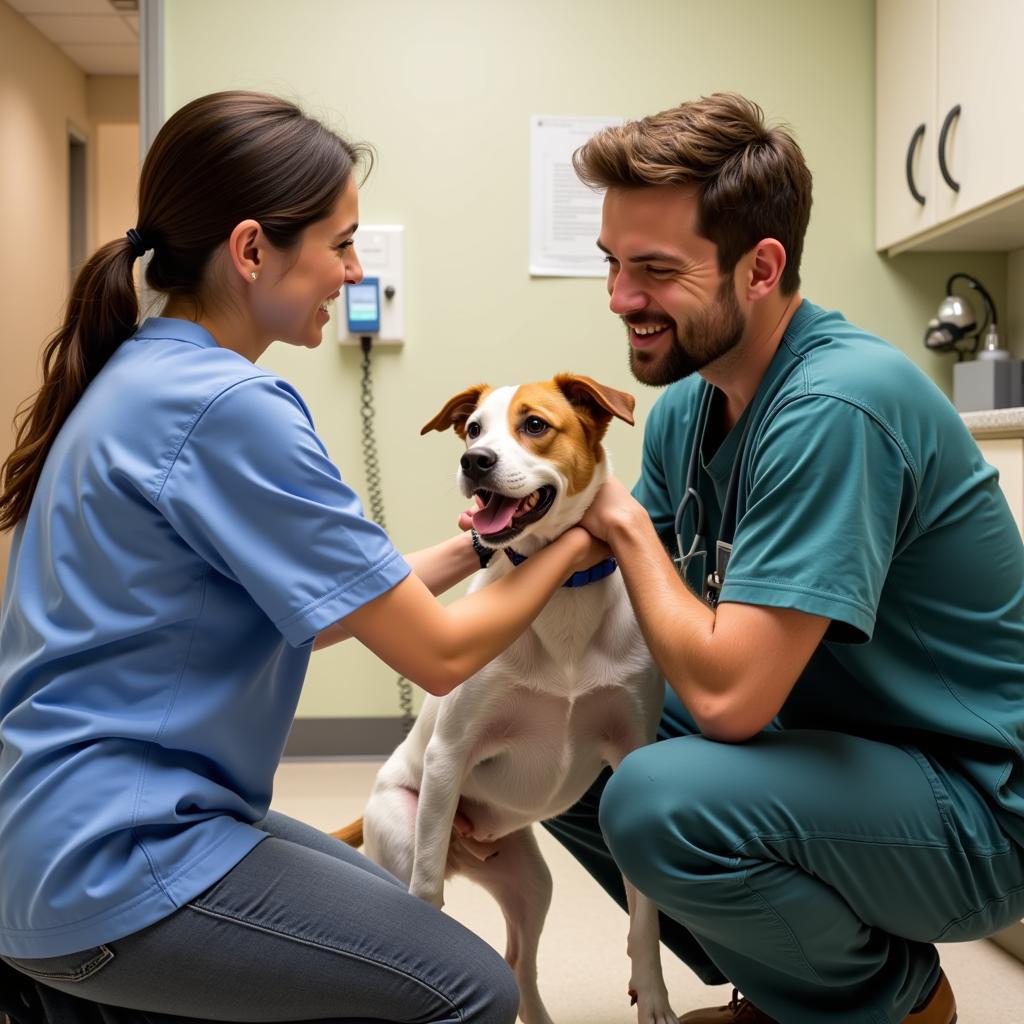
457 410
601 401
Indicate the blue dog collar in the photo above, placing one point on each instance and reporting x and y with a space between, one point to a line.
577 579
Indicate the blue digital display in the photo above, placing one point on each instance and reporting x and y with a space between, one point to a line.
362 305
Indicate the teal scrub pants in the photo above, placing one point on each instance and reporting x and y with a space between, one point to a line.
814 870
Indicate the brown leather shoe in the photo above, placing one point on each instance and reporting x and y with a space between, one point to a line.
739 1011
940 1009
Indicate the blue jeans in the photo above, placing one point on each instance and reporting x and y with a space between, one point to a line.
813 869
303 928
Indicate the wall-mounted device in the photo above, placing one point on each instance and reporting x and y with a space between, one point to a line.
992 380
362 307
380 248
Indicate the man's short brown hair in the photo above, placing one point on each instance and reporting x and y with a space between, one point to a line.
751 180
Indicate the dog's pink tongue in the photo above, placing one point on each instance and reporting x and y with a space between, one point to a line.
495 515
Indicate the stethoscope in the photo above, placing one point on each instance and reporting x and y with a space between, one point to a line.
713 581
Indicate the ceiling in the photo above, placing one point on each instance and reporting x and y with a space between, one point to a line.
100 39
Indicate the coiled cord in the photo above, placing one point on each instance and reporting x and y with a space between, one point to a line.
376 498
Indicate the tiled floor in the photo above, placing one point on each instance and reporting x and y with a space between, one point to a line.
583 969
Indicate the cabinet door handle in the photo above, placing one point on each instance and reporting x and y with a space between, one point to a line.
943 135
914 140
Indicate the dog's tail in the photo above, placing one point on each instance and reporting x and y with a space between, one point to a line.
351 834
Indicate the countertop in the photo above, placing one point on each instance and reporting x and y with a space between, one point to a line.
995 422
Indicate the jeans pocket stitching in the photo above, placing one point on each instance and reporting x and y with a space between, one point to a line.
80 973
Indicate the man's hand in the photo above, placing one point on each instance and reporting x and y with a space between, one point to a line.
613 507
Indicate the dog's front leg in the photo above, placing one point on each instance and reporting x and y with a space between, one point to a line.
444 770
646 983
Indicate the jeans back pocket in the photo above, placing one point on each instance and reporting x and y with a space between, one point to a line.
70 968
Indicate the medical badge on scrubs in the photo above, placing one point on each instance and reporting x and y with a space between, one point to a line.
715 580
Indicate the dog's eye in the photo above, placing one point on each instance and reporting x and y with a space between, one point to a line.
535 426
472 430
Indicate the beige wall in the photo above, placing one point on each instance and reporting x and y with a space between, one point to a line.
113 99
444 89
113 105
116 180
41 94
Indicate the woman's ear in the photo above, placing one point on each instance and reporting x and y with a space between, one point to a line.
244 249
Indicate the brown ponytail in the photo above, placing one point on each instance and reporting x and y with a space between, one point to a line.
102 311
221 159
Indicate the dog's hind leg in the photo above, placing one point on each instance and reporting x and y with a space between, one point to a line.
517 877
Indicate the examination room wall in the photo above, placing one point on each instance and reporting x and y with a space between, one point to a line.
444 90
42 93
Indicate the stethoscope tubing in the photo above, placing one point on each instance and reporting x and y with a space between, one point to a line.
691 494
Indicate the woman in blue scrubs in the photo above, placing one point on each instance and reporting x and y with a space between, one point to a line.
181 541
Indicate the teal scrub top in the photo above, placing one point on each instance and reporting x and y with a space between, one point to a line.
187 540
863 498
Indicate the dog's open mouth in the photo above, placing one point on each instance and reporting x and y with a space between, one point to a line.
500 517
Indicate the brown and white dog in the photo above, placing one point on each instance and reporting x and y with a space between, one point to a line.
523 739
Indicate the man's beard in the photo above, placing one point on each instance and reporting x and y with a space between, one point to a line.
705 337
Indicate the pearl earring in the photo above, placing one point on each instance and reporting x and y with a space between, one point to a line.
252 274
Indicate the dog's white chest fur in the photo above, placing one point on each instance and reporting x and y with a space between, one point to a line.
534 728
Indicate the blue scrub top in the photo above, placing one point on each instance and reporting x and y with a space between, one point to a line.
863 499
188 538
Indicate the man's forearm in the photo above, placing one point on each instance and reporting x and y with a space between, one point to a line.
678 626
733 668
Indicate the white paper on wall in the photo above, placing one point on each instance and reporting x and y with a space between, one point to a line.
565 215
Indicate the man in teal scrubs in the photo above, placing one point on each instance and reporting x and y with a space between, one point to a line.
840 781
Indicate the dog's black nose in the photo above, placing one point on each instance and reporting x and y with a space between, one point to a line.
478 462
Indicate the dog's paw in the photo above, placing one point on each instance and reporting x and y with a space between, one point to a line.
652 1006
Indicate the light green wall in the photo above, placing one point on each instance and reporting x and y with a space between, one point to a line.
444 90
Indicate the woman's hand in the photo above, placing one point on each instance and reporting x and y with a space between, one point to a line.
614 508
591 550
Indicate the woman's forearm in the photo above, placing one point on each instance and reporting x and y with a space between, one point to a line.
439 567
445 564
438 646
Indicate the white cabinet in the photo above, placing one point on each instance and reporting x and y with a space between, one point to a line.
905 60
949 105
1007 455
